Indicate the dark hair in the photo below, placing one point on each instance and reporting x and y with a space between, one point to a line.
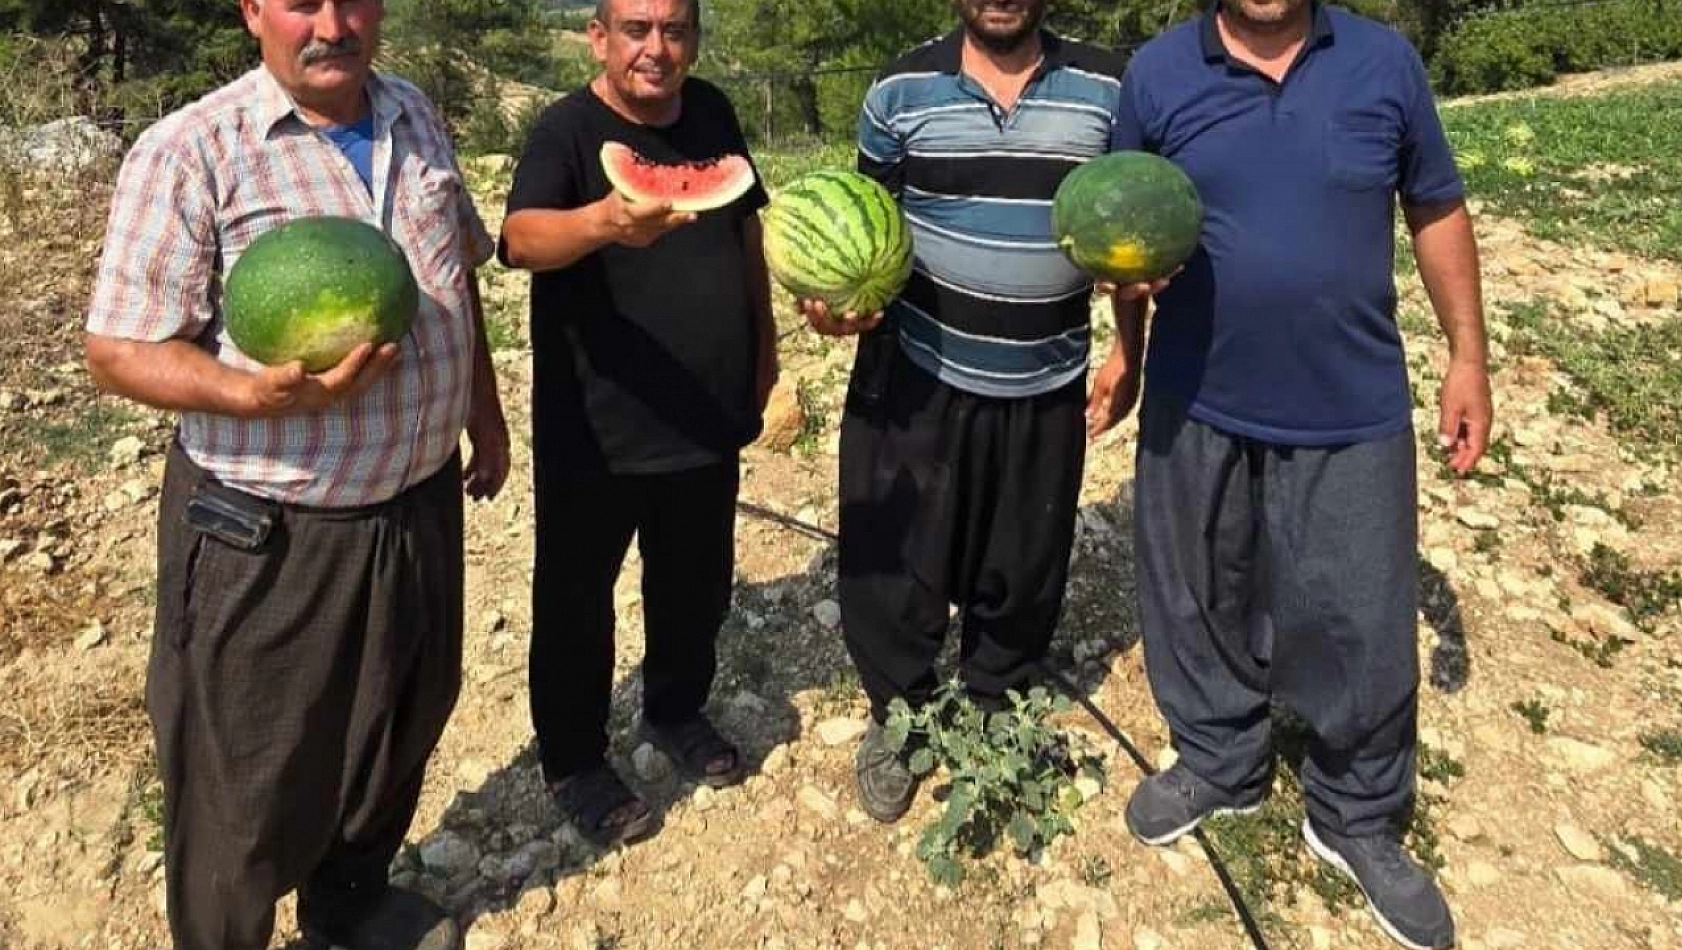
603 7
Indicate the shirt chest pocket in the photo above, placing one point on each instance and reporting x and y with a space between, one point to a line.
1363 151
428 215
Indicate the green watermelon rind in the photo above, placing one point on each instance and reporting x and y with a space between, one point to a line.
839 237
315 288
1127 201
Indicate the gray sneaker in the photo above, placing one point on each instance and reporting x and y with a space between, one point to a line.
1171 803
1404 899
886 785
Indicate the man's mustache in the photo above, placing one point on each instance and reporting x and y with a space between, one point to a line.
319 50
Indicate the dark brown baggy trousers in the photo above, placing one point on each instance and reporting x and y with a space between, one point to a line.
296 692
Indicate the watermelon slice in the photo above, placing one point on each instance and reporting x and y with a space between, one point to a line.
691 186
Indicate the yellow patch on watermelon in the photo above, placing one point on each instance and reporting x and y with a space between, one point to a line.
1127 256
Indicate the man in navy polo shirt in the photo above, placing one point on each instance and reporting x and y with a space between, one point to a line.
1275 494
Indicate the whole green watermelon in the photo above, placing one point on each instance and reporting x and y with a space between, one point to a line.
315 288
1127 217
839 237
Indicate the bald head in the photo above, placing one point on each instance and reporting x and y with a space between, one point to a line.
604 11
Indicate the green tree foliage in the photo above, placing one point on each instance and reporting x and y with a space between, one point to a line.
459 51
139 56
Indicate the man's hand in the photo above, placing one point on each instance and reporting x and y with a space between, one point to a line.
1140 291
288 390
641 223
487 467
1115 391
1467 414
819 317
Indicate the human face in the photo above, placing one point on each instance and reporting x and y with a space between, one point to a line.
320 51
1265 14
1001 25
646 48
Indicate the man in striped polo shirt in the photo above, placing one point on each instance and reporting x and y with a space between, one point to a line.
307 644
963 438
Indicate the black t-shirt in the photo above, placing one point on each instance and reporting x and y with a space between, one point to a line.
643 358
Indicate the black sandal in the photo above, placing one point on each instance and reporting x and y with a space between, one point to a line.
693 745
589 800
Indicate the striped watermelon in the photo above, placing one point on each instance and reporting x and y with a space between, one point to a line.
839 237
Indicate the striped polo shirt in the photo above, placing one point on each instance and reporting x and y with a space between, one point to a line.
993 307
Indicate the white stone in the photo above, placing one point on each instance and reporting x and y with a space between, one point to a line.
840 731
828 613
650 764
1473 518
1581 757
127 450
816 801
92 637
1089 934
1579 843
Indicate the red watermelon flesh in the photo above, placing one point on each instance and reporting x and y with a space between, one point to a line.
690 186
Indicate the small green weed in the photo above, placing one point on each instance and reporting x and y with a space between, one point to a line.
1486 541
1438 766
1644 595
1664 744
1599 652
1535 712
1013 775
82 438
1629 374
1656 868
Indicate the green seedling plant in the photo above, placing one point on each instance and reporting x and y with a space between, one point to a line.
1013 774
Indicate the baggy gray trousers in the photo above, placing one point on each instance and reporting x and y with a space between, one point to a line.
1280 575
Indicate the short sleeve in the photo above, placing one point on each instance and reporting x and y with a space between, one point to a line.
1428 174
1127 126
160 249
545 177
756 197
881 150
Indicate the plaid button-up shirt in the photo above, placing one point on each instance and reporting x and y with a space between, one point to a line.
201 184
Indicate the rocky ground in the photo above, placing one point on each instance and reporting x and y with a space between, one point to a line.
1551 806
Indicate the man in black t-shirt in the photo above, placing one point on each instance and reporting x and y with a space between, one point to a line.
654 352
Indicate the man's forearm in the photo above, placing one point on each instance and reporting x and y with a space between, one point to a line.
1446 249
542 239
175 375
485 395
1129 343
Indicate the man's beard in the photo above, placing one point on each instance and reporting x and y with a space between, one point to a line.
1002 42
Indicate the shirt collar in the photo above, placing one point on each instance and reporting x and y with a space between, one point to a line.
1214 49
272 105
948 52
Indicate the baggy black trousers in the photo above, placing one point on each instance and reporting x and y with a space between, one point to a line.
949 497
1272 574
296 692
685 524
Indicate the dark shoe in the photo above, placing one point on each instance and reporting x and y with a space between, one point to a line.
698 751
602 808
1172 803
1408 904
399 920
886 785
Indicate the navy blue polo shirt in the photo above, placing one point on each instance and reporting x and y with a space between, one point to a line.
1282 325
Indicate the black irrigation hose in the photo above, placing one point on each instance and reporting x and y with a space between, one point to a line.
1245 917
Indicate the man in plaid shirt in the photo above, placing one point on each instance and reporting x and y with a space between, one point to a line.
307 649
